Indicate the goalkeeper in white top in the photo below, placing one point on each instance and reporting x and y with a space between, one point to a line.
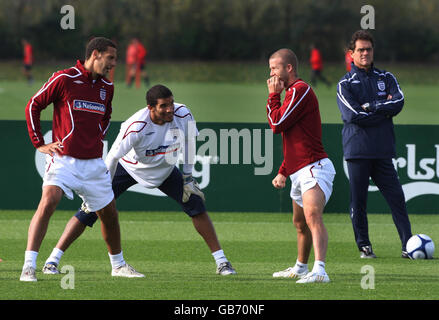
146 152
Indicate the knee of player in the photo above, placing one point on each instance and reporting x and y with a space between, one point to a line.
300 225
47 206
108 216
87 219
314 216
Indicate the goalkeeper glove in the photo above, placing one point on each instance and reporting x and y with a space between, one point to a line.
190 186
84 208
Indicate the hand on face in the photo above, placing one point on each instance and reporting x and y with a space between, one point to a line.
275 85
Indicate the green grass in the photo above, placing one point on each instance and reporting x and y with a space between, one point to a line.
223 102
224 91
226 71
178 265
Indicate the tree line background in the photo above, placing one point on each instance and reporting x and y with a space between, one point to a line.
405 31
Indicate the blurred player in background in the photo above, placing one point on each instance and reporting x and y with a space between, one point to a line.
297 119
348 59
316 62
81 97
141 65
28 60
131 62
368 99
145 152
136 63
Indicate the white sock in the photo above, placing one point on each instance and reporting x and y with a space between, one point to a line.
117 260
55 256
219 257
319 267
30 258
301 265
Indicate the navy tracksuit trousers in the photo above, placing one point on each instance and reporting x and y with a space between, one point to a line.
386 179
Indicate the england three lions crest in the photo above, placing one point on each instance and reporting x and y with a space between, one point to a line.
381 85
102 93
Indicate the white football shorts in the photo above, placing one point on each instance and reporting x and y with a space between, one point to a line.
89 179
321 172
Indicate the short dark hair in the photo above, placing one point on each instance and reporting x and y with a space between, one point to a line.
360 35
157 92
99 43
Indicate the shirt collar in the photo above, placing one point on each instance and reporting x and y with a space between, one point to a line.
355 68
295 81
85 72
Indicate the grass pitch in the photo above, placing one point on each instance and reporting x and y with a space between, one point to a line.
223 91
223 102
179 266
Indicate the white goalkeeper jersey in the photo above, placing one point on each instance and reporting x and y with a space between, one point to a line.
149 151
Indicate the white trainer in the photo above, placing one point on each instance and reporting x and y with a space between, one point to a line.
291 272
312 277
28 274
225 269
126 271
50 268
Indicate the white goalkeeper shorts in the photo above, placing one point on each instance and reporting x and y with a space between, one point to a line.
321 172
89 179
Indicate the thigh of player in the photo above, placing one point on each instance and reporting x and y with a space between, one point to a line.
89 179
96 190
173 188
60 172
319 173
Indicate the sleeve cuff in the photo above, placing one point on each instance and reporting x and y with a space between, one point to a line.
283 171
39 144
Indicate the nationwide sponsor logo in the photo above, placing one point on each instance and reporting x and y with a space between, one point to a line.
94 107
422 174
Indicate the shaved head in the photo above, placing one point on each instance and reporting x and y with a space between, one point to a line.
288 57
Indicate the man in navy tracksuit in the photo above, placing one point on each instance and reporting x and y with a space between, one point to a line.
368 99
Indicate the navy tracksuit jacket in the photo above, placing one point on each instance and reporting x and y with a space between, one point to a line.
369 145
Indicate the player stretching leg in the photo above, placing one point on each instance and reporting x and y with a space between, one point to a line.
143 153
305 162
